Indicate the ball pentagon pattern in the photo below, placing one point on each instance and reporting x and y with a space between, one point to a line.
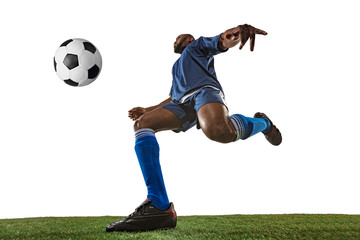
77 62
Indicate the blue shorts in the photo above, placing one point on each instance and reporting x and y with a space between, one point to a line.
187 110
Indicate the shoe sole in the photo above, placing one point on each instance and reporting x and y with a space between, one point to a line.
145 230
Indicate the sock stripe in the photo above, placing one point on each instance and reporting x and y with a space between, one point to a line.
144 132
239 126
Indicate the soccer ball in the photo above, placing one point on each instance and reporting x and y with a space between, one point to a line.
77 62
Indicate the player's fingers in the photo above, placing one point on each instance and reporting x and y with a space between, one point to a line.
132 110
136 116
259 31
132 116
252 42
244 33
243 41
254 30
135 110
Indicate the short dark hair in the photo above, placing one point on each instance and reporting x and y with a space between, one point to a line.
189 35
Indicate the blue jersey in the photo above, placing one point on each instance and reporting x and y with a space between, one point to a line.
195 67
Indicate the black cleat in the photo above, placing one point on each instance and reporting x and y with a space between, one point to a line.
146 217
273 135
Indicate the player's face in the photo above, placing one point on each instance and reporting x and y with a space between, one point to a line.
181 42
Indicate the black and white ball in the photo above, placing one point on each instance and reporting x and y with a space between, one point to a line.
77 62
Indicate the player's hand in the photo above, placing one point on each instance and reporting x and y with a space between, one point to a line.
243 33
136 112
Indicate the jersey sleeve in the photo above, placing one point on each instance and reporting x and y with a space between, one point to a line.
208 45
171 90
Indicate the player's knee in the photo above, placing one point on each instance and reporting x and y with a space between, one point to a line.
141 123
137 125
220 133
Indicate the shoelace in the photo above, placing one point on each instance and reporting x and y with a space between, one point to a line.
139 210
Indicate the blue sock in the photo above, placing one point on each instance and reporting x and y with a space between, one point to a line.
147 151
247 127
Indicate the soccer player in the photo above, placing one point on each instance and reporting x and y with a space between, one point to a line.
196 98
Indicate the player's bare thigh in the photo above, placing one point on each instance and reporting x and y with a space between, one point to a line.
159 119
215 122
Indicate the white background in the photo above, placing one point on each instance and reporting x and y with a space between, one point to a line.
68 151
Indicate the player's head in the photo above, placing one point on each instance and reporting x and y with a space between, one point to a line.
182 41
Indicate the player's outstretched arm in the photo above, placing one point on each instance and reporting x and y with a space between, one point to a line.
137 112
239 34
